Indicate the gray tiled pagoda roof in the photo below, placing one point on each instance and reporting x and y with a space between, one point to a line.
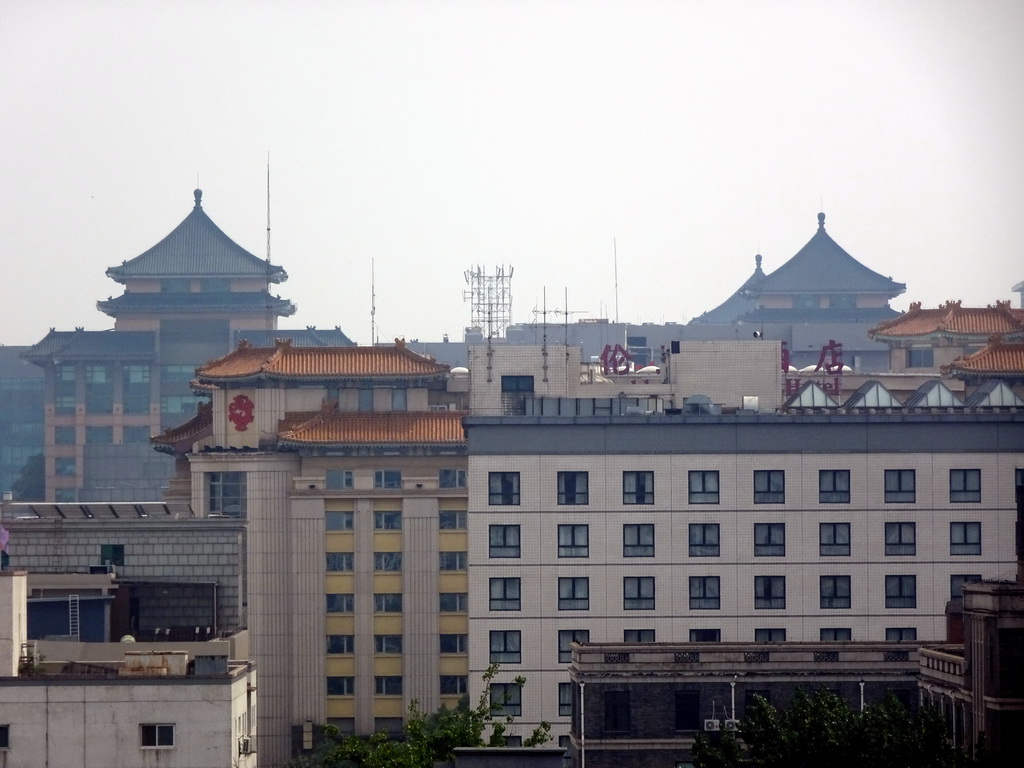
819 315
822 266
92 345
741 302
197 248
196 303
310 336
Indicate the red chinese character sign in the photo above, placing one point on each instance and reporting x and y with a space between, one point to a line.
616 360
830 363
240 412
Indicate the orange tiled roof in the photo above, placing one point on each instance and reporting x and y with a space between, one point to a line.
331 426
951 319
180 439
999 358
283 361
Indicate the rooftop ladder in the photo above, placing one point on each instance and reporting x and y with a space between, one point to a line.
74 626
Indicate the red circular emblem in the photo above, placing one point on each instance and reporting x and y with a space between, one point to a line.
240 412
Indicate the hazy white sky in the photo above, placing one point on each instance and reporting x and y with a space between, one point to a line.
433 136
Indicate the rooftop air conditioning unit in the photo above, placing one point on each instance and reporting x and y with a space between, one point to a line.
245 746
731 725
712 725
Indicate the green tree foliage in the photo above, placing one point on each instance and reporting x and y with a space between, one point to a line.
429 738
31 483
822 730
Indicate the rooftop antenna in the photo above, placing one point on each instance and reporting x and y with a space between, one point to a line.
490 299
544 342
373 305
615 252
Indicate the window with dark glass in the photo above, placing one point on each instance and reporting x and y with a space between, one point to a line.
135 435
452 561
638 593
338 479
156 735
226 493
965 538
964 485
338 521
565 694
387 643
454 643
901 591
705 635
769 591
900 538
340 561
64 383
638 540
99 435
504 593
833 486
769 539
66 435
454 685
833 539
387 478
387 685
503 488
64 466
900 486
364 400
387 521
566 637
638 635
503 541
453 602
769 486
770 635
506 699
705 593
835 634
99 389
387 602
616 711
834 591
900 634
688 711
957 581
573 488
451 520
451 478
340 602
703 486
704 539
920 357
135 394
387 561
637 487
574 540
112 554
573 593
341 644
399 399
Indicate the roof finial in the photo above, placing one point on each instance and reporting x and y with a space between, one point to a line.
198 194
821 222
757 261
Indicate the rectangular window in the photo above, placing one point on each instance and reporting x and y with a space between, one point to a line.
399 399
573 593
64 466
112 554
451 478
900 539
454 685
901 591
364 400
833 486
387 602
506 699
566 637
573 541
65 435
99 435
452 561
454 643
688 711
704 540
340 561
833 539
340 602
453 602
638 593
338 479
900 634
387 685
135 435
705 635
565 694
638 635
5 736
769 539
387 521
341 644
387 561
156 734
503 541
637 487
99 389
769 486
705 593
616 711
900 486
965 538
834 591
769 591
770 635
387 643
573 488
226 493
503 488
920 357
338 521
964 485
703 486
451 520
387 478
504 593
957 581
638 540
135 395
835 634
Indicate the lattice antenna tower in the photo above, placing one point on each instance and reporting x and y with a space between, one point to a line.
490 297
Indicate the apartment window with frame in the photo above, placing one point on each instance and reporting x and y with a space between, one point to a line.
506 699
834 591
704 539
705 593
364 399
451 520
565 697
503 488
338 685
574 540
769 486
638 593
399 399
64 466
453 602
387 643
769 539
226 493
504 593
833 539
573 593
965 538
637 487
451 478
705 635
454 643
703 486
900 486
900 634
452 561
341 644
112 554
638 540
340 561
835 634
66 435
338 479
964 485
833 486
340 602
573 488
900 539
901 591
387 685
770 635
338 521
616 711
454 685
99 435
387 561
387 602
387 478
156 735
503 541
770 592
638 635
566 637
387 521
957 581
920 357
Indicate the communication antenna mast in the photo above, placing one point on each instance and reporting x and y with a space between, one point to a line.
490 298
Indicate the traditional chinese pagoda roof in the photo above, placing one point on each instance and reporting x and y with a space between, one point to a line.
1000 359
330 426
196 303
197 248
284 361
740 303
80 344
822 266
180 439
952 320
310 336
